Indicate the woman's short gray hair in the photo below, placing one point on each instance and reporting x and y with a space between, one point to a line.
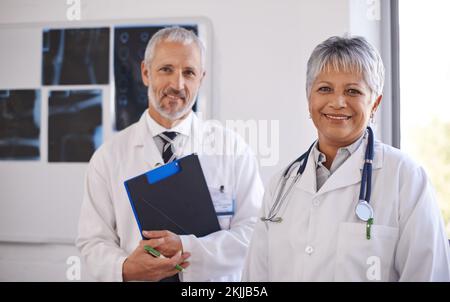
174 34
347 54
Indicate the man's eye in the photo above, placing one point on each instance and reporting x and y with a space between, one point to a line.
189 73
324 89
165 69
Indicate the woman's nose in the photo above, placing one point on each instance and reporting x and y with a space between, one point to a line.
338 101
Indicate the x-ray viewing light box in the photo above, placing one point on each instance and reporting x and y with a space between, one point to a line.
48 209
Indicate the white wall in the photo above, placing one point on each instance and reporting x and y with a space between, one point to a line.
260 49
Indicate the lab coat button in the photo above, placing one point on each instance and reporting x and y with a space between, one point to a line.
316 203
309 250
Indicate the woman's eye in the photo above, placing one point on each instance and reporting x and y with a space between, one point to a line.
354 92
324 89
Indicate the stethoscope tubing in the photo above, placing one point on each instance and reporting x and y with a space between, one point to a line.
366 179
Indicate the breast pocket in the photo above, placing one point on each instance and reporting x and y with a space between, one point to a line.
362 259
223 204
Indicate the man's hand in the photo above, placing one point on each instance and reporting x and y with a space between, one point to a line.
142 266
168 243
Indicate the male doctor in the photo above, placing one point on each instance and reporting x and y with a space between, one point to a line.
109 238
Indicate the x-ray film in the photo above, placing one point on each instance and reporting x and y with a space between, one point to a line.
20 124
75 56
74 125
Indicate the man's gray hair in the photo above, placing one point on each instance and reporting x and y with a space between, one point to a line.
174 34
353 54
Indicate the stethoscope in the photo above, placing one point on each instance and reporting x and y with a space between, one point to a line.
363 210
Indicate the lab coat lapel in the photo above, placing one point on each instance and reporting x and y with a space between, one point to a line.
347 174
194 144
351 170
145 144
307 181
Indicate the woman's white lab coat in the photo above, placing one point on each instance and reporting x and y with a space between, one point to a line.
321 239
108 231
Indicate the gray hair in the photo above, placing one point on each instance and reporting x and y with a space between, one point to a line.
174 34
348 54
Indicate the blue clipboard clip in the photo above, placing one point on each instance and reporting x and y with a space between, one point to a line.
163 172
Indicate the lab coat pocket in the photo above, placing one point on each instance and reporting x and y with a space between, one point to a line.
362 259
224 206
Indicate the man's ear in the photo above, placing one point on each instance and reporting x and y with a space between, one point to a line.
145 73
203 76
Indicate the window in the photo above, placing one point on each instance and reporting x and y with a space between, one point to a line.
424 80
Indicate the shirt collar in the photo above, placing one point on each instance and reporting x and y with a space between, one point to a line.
319 157
183 128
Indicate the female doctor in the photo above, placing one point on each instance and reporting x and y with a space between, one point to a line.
350 208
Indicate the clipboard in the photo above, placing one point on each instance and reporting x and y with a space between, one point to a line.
173 197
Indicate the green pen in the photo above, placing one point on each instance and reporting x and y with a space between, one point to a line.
157 254
369 228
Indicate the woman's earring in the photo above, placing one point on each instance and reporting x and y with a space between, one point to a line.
372 119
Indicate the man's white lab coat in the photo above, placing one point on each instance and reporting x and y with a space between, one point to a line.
108 231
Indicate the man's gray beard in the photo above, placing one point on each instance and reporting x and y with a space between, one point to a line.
170 116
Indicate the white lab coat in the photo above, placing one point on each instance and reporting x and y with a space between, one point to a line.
321 239
108 231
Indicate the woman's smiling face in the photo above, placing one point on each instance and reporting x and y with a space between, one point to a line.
340 104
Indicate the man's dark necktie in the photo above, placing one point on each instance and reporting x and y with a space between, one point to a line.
168 148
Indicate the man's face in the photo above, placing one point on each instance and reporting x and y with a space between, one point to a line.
340 105
173 79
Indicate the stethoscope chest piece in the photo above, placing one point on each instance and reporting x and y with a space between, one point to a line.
364 210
